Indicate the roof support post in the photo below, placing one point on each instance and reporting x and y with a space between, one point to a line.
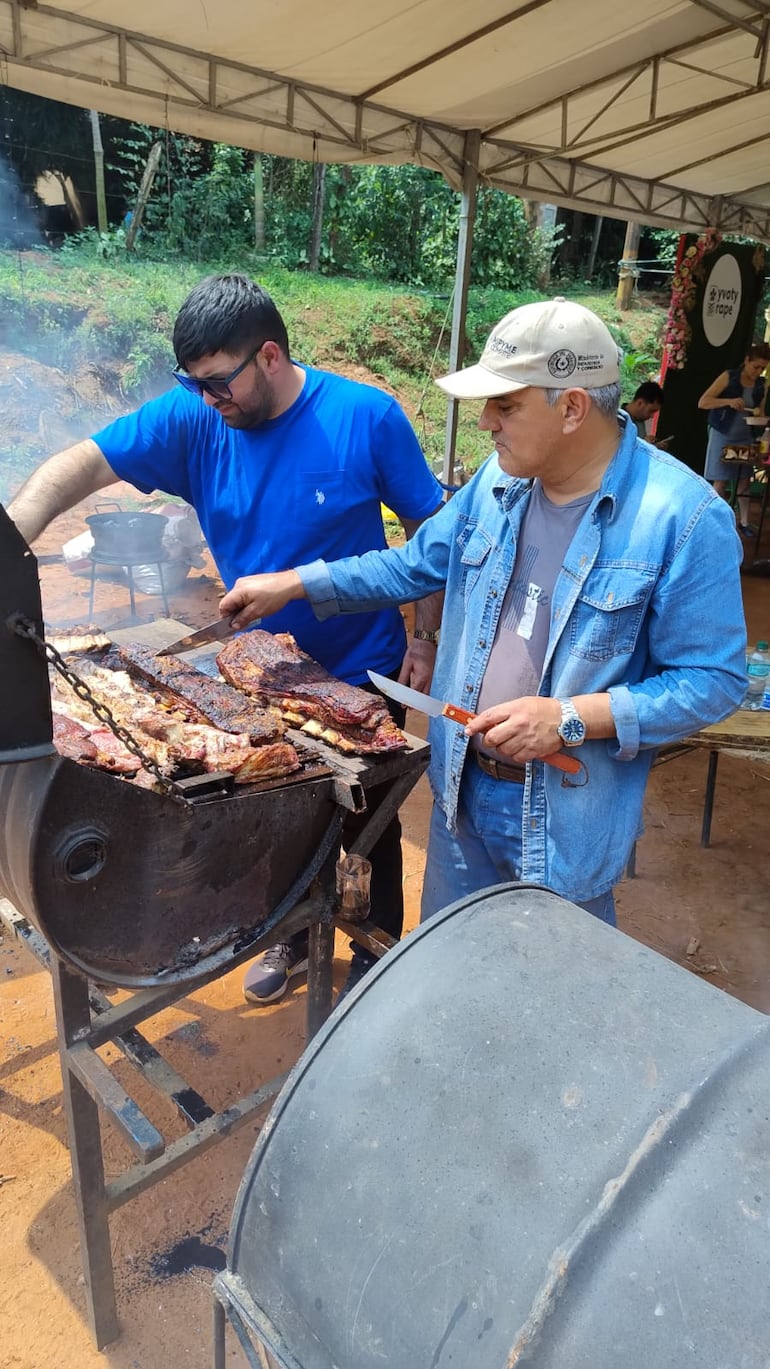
462 280
628 270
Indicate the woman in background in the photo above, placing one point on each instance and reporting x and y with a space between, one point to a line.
734 395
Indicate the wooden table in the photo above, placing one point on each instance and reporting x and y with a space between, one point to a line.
745 733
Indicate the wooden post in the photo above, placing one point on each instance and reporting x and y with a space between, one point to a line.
319 178
598 225
259 204
71 199
148 176
626 274
462 280
101 198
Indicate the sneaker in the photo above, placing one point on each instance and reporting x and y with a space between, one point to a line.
747 530
359 966
268 978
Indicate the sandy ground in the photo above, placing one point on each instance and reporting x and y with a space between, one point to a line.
712 904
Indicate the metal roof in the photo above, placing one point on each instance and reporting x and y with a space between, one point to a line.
658 112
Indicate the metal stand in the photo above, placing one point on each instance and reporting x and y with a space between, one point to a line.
127 565
87 1020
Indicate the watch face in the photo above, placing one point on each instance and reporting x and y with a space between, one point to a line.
572 731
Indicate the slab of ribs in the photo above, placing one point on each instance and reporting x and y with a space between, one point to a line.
190 723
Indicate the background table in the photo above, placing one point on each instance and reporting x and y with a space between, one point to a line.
745 733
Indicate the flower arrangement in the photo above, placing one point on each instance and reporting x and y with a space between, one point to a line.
684 286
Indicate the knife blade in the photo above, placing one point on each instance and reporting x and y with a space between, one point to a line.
425 703
215 632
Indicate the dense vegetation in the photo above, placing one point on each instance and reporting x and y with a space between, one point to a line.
361 260
393 223
112 315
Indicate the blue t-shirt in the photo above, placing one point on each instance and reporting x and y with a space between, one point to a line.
305 485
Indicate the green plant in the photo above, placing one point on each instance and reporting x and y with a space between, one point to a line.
635 367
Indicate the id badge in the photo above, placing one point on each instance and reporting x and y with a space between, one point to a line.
527 622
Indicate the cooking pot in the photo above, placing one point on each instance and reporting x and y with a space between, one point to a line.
133 535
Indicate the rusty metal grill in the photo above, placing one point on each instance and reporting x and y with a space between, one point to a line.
130 887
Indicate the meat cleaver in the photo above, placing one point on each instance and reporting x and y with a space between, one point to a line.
412 698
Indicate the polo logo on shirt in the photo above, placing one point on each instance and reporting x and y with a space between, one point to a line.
320 497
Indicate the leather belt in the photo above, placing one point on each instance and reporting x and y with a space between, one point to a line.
501 770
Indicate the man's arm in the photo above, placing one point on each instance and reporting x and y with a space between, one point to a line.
62 481
420 659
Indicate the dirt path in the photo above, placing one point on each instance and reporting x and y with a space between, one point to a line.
163 1240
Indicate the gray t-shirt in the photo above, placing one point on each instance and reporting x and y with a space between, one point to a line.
516 662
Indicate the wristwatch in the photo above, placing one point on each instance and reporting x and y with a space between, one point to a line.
421 635
571 729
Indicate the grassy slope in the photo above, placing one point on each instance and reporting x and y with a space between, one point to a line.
72 309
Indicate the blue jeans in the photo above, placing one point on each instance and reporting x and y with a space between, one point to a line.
486 848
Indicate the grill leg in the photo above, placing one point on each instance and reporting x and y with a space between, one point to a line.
91 594
131 595
163 589
220 1330
319 975
708 805
85 1143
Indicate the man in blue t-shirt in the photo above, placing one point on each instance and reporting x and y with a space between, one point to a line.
283 464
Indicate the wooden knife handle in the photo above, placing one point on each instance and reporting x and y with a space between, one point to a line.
458 715
560 759
563 761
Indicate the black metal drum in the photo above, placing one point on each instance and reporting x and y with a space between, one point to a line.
134 889
524 1140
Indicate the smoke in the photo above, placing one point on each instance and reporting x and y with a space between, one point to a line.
18 227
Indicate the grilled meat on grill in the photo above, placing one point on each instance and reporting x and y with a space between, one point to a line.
203 699
217 750
271 667
92 745
176 746
71 739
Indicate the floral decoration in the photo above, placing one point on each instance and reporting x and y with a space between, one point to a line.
684 285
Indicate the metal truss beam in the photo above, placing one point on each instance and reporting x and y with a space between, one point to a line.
84 62
653 122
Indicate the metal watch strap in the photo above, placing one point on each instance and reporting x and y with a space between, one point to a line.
569 714
420 634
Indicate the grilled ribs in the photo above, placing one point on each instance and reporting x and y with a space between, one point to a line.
203 699
176 745
272 668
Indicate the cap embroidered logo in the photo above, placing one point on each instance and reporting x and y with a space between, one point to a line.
562 363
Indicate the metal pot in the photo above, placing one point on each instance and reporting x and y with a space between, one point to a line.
133 535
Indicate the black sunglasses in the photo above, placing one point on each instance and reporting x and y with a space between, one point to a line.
218 389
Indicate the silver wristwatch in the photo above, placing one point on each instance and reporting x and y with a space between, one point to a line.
571 729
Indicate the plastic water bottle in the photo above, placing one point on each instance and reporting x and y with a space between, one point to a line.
758 672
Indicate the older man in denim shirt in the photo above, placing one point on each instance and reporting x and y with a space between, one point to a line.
592 600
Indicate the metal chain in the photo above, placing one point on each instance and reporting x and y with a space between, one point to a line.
24 628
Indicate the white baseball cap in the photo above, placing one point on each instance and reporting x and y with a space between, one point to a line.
555 344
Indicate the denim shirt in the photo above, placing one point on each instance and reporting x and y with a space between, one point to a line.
647 607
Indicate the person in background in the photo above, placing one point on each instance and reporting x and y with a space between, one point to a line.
646 402
279 460
593 602
732 397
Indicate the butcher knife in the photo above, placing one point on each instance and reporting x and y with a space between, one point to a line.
215 632
424 703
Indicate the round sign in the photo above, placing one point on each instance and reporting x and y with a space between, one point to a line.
722 300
